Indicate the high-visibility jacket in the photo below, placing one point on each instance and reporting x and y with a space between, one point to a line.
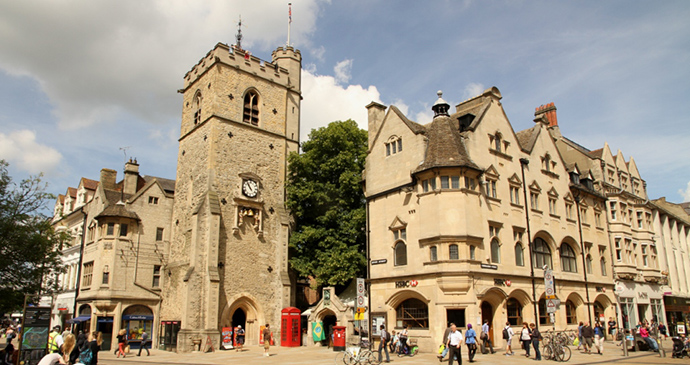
52 342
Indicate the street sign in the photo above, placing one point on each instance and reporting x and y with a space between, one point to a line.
550 297
549 283
552 305
553 317
361 291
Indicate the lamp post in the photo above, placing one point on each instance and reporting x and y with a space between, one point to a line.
525 162
582 252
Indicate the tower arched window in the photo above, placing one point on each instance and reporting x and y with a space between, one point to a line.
400 253
251 108
197 107
412 312
541 253
568 258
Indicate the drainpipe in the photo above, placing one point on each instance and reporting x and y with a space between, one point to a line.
81 258
582 253
524 162
160 297
371 333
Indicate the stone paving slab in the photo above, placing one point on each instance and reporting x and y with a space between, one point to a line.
320 355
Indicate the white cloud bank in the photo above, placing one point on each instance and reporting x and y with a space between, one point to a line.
685 193
22 151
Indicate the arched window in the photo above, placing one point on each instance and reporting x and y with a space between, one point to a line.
495 251
196 104
412 312
570 312
542 254
519 255
588 261
568 262
497 142
543 315
453 252
400 253
602 262
251 108
514 311
433 255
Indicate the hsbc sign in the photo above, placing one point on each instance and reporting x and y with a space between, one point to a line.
406 283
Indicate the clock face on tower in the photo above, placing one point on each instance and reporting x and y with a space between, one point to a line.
250 188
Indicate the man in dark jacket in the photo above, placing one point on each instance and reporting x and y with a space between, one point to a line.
587 337
536 336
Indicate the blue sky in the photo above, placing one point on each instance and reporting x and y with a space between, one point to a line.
79 79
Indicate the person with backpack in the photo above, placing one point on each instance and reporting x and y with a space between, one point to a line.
508 336
526 338
383 345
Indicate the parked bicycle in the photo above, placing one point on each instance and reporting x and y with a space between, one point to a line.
355 355
554 346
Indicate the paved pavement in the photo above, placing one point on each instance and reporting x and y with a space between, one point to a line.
320 355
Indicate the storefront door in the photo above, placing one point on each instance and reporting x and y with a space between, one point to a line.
168 335
488 315
105 326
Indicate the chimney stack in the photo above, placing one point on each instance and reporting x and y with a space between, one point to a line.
549 112
131 177
108 179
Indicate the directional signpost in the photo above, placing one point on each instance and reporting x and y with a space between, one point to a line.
550 290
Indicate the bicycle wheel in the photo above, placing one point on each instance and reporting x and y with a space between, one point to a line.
368 357
340 359
565 353
547 352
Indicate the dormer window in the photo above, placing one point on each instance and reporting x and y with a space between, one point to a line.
393 145
251 108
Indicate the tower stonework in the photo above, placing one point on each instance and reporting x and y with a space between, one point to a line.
228 255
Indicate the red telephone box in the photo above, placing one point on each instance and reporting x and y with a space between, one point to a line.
290 327
338 338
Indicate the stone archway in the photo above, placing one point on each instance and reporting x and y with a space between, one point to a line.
244 309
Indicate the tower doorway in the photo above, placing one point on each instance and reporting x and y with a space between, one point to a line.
239 318
328 322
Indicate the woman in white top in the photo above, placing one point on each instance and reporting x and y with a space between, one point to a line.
526 338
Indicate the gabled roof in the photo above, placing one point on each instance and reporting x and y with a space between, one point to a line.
117 210
528 137
676 210
61 199
596 153
414 127
168 185
89 184
445 147
72 192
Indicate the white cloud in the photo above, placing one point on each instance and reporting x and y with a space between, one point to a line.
473 89
111 60
318 52
343 71
21 150
326 101
685 193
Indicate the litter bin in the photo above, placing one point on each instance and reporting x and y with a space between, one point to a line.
338 338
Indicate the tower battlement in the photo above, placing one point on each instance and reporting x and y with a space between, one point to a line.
237 58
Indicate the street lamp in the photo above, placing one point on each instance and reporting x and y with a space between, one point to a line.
525 162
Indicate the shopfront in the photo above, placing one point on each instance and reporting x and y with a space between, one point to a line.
677 314
136 320
168 335
83 321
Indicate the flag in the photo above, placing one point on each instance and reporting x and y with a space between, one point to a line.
317 331
290 12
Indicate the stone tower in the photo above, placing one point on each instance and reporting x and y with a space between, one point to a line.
228 254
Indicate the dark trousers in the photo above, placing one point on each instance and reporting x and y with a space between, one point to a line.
143 347
525 345
488 344
382 346
454 352
471 350
537 353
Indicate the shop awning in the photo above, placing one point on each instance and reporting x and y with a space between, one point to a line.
79 319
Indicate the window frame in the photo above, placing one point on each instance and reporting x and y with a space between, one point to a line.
410 312
540 256
568 263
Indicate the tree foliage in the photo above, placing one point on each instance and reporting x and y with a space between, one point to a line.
325 195
29 246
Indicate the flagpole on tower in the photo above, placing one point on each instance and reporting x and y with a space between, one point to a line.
289 22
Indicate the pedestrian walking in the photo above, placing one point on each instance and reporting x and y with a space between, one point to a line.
486 339
55 340
383 345
240 338
526 338
144 341
471 342
613 329
121 342
579 335
588 337
536 337
445 342
402 338
508 336
267 339
599 338
453 343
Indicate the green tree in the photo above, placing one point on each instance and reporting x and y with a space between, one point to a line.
325 195
29 246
